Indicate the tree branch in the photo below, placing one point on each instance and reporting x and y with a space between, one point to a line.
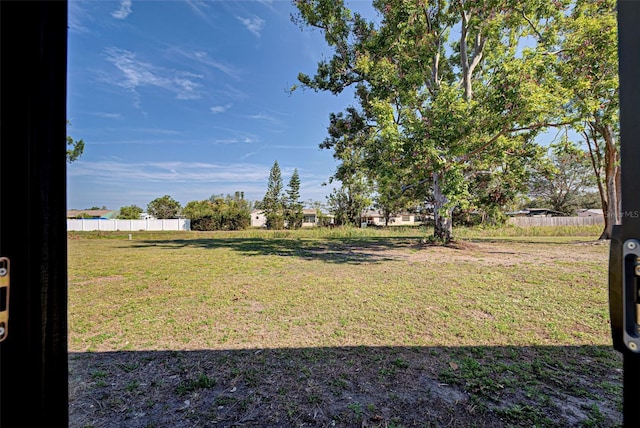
541 38
464 59
504 131
594 155
542 125
410 186
477 53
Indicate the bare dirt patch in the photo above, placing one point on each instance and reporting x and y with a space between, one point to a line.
343 387
504 253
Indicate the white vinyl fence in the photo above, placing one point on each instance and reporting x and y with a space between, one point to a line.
89 224
555 221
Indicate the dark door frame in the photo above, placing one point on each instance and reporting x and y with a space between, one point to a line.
623 284
33 354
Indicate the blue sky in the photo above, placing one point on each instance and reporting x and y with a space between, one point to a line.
189 99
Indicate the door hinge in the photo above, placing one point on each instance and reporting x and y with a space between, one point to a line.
4 297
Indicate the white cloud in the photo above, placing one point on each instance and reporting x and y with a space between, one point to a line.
275 124
107 115
181 172
220 109
137 73
123 11
247 155
233 93
187 87
124 183
267 118
236 140
294 147
166 138
130 142
268 4
77 16
255 24
205 59
200 8
262 116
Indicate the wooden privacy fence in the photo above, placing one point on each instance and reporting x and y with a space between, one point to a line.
130 225
554 221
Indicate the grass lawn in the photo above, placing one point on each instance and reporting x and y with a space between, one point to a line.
341 327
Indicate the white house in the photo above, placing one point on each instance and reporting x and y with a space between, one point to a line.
310 219
591 212
376 218
258 219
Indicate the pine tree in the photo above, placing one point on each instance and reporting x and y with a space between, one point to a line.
293 210
273 202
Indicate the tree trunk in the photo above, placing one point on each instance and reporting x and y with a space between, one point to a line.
443 226
612 215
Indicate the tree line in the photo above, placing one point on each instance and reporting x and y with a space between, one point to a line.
218 212
562 184
281 207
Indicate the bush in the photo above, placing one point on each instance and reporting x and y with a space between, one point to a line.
275 221
466 218
205 223
220 222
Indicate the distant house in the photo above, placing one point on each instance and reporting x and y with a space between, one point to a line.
258 219
94 214
536 212
519 213
590 212
310 218
376 218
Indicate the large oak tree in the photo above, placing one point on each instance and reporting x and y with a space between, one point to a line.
447 89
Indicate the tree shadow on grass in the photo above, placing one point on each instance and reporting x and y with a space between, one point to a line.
332 250
481 386
541 240
338 250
